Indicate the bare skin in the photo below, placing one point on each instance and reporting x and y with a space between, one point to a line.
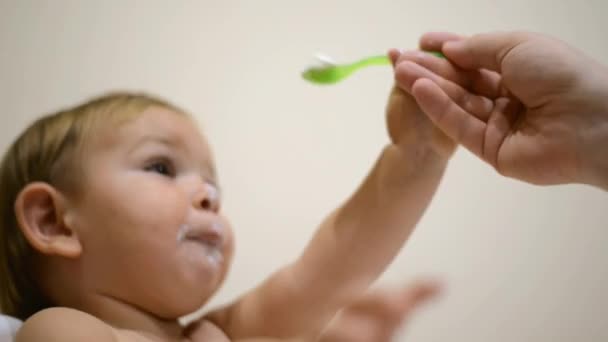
531 106
376 316
114 261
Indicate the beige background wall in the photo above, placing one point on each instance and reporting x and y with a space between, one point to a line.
521 263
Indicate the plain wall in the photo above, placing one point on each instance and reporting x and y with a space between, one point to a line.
520 262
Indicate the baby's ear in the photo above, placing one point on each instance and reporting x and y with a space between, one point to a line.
40 210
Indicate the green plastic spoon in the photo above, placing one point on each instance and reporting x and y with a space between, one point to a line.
330 72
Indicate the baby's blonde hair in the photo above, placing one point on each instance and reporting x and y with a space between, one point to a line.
48 151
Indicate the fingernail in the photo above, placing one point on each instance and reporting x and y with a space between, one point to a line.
453 44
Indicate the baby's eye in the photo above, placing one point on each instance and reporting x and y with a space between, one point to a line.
161 167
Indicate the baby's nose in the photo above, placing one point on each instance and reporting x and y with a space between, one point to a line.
207 198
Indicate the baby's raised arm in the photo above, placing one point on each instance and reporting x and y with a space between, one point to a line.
356 242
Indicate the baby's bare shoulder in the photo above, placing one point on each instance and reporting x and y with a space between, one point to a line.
64 324
69 325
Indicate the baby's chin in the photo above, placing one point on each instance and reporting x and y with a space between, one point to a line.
202 264
185 299
202 255
198 272
200 276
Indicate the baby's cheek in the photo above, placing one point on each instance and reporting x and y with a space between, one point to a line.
163 211
230 244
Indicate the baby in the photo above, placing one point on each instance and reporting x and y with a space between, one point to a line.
111 229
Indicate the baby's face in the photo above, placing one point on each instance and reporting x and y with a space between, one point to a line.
148 216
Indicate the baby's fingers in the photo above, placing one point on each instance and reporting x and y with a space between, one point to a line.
415 295
411 298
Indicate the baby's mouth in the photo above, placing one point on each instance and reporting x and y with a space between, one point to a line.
209 237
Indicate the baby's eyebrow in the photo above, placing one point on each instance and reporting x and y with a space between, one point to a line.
163 140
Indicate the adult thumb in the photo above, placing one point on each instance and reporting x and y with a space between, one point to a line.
483 51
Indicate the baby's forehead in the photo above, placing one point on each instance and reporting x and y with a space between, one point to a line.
154 124
157 121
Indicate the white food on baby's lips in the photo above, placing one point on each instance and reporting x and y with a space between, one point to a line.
181 232
207 249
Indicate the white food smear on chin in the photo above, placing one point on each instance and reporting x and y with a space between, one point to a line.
211 252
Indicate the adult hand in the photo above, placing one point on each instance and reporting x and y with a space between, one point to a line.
533 107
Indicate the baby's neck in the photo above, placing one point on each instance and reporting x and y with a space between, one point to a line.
121 315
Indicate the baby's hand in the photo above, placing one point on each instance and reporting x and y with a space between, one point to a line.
379 315
409 128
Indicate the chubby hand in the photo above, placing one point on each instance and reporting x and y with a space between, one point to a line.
378 316
409 128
